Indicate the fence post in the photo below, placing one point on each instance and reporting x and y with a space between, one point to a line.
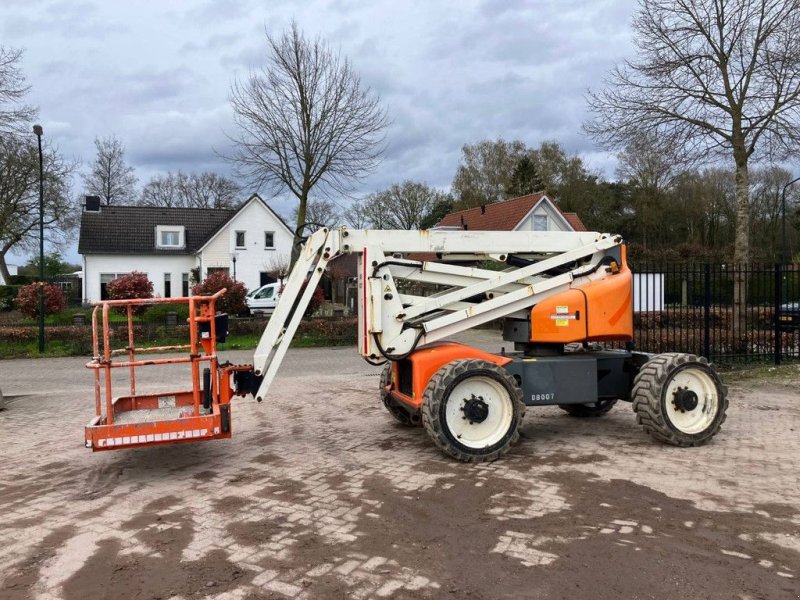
707 311
777 313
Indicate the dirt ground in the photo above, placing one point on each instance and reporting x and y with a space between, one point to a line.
321 495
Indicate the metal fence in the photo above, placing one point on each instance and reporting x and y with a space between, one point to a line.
690 308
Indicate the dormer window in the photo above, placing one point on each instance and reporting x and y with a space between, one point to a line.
170 236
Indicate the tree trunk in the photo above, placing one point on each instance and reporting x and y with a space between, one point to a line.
741 251
6 276
301 219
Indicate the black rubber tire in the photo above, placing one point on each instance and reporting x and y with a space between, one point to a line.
400 415
649 399
434 404
595 409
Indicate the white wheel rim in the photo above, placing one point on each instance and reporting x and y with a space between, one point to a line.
702 416
496 424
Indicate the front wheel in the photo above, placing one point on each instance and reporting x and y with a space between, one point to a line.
472 409
679 399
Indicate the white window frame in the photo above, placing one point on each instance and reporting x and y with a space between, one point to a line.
236 240
546 222
161 229
272 247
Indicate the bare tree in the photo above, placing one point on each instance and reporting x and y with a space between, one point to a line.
651 166
19 197
375 212
356 215
14 114
162 190
210 190
320 211
404 206
111 177
278 267
306 121
720 78
486 171
193 190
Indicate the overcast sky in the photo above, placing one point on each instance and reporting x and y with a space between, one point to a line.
157 73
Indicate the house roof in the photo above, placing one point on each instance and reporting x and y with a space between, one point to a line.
503 216
574 220
132 229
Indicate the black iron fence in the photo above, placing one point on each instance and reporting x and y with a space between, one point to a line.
724 312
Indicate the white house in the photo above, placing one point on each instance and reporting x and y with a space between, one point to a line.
168 244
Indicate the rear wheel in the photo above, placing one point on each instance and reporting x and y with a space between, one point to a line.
400 415
592 409
679 399
472 409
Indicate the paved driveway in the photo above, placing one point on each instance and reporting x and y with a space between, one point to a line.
320 495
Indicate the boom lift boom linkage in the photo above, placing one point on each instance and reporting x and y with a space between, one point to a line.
391 324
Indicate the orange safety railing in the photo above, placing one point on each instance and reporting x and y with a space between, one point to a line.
214 422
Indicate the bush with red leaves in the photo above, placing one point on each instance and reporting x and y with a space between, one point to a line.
232 301
317 300
28 299
132 285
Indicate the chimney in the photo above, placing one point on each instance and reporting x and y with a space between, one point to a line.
483 209
92 204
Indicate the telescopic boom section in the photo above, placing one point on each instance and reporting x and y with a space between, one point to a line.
394 317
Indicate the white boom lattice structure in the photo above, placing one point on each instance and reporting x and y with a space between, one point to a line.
391 324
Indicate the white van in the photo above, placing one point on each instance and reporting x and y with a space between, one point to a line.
263 299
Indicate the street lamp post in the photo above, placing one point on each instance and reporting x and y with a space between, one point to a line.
233 259
784 259
37 130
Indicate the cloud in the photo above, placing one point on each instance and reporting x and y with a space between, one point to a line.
157 74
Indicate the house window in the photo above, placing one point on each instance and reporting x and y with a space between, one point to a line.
211 270
169 236
240 239
167 285
185 284
269 239
105 279
540 222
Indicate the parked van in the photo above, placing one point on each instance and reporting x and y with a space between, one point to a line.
264 299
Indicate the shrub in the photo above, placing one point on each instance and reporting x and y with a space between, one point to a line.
232 301
158 313
8 294
130 286
28 299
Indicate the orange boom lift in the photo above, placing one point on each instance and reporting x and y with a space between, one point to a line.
564 298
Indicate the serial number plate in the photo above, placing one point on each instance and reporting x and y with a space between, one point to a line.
542 397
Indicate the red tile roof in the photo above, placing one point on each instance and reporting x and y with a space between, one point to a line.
501 216
575 221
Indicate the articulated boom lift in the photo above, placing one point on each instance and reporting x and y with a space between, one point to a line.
560 294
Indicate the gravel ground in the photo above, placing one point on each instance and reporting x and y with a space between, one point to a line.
321 495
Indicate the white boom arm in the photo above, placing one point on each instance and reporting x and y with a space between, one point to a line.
391 323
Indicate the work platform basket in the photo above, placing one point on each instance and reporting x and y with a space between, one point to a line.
201 412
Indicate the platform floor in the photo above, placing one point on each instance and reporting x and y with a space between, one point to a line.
150 415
